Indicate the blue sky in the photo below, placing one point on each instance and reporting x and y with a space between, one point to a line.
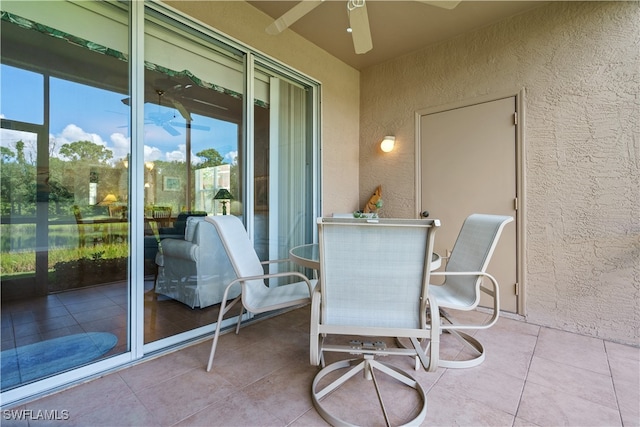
80 112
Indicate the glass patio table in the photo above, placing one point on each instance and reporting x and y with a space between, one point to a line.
309 256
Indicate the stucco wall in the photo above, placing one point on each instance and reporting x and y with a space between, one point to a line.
579 64
340 89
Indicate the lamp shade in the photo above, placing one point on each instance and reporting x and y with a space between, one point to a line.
109 199
223 194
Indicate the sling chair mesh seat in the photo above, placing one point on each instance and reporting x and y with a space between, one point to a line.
374 278
463 286
255 296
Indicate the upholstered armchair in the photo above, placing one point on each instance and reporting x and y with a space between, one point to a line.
195 269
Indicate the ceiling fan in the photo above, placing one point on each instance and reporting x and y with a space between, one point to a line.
164 120
358 19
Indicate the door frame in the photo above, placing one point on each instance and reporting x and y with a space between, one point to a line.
520 95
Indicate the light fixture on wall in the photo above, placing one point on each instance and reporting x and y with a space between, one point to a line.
388 143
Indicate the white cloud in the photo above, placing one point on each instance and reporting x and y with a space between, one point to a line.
151 154
231 157
179 155
72 133
121 145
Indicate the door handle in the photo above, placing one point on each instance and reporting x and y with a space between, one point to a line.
424 214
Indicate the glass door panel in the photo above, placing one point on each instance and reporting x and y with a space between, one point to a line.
64 236
192 134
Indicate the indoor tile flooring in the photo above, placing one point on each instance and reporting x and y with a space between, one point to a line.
533 376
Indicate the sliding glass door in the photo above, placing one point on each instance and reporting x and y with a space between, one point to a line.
64 222
92 196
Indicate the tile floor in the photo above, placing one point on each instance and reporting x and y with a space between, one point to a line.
96 309
533 376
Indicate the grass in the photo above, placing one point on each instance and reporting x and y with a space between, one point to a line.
15 263
18 243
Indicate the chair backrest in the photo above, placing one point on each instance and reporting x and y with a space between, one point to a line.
472 251
242 255
375 273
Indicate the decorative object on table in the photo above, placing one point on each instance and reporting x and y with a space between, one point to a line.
360 214
223 195
373 205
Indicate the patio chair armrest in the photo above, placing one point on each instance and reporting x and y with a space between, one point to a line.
275 261
492 292
273 275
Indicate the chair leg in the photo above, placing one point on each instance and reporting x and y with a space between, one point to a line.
368 366
469 343
239 320
216 335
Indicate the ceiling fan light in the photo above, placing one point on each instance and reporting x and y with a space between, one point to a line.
349 30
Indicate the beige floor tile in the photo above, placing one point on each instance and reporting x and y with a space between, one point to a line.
507 351
547 407
311 418
588 385
486 385
237 410
572 349
449 408
185 395
159 370
285 392
628 395
93 399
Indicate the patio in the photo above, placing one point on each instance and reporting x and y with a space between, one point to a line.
532 376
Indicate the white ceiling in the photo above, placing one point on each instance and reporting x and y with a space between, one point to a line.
397 27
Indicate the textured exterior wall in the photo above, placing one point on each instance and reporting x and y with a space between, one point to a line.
579 64
340 89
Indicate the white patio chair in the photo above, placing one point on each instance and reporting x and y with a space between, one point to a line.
374 278
465 271
255 295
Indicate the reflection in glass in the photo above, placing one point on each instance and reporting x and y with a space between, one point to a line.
64 195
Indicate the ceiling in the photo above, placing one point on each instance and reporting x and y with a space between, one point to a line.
397 27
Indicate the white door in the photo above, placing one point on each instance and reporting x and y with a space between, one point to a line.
468 165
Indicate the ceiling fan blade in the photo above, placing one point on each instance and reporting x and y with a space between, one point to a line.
210 104
170 129
183 111
444 4
361 33
192 126
292 15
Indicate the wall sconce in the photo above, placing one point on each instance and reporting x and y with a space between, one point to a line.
388 143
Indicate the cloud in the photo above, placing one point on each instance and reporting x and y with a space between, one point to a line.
121 145
72 133
151 154
231 157
178 155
